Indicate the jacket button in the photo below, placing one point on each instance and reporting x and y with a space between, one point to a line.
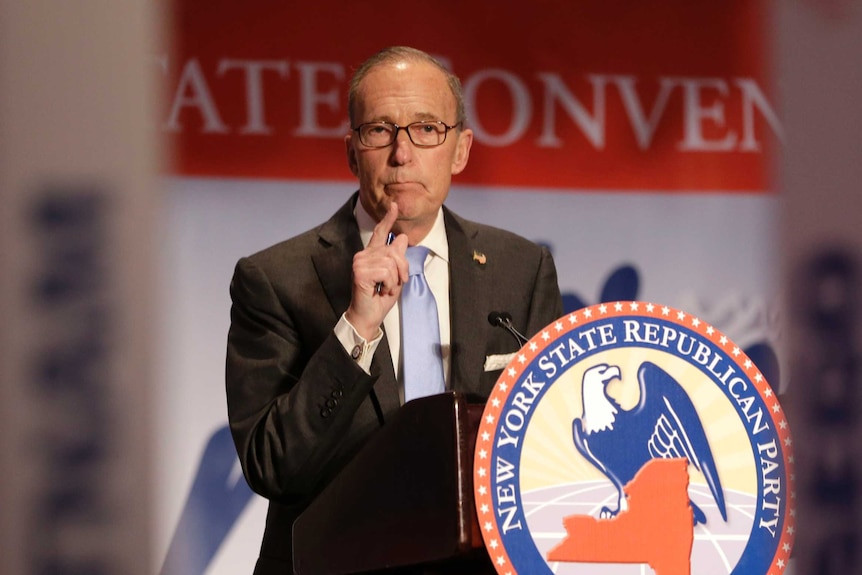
324 413
331 403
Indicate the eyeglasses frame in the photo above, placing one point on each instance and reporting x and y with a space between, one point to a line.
407 130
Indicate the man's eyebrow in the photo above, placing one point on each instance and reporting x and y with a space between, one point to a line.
420 117
427 116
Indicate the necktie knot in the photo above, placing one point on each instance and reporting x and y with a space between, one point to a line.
416 256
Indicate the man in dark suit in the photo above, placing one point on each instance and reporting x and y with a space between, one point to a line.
314 350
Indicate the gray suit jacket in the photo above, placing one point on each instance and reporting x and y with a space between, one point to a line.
298 405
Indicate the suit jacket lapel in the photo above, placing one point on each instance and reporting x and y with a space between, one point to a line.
339 241
468 289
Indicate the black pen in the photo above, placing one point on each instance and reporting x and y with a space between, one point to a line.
379 285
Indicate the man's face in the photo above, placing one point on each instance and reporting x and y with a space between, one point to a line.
417 179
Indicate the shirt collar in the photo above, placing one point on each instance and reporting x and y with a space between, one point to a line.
435 240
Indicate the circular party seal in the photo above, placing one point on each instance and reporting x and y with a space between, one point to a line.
630 434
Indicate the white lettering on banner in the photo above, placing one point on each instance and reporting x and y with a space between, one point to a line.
254 89
643 127
310 99
695 114
522 107
753 97
706 124
192 79
593 127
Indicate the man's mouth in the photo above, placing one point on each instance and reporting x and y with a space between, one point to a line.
395 186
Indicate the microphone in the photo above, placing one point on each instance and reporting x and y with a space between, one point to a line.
504 319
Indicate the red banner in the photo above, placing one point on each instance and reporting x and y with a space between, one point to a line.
661 96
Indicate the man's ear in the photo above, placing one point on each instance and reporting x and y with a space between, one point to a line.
462 151
351 155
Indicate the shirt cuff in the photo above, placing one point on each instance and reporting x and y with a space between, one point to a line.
360 349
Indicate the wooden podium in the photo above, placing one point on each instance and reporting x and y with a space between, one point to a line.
405 503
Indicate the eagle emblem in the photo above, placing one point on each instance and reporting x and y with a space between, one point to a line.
663 425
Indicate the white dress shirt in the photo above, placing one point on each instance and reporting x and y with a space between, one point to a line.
437 276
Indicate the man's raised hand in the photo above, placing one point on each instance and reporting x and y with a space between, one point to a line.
379 272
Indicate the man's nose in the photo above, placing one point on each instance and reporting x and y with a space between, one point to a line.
402 148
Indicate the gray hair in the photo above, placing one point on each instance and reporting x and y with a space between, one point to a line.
395 54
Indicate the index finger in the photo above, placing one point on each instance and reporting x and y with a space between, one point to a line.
382 229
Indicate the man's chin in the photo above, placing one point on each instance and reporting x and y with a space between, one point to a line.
409 211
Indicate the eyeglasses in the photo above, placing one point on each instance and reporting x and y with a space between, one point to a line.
425 134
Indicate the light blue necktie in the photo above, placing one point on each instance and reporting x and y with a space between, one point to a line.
420 332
